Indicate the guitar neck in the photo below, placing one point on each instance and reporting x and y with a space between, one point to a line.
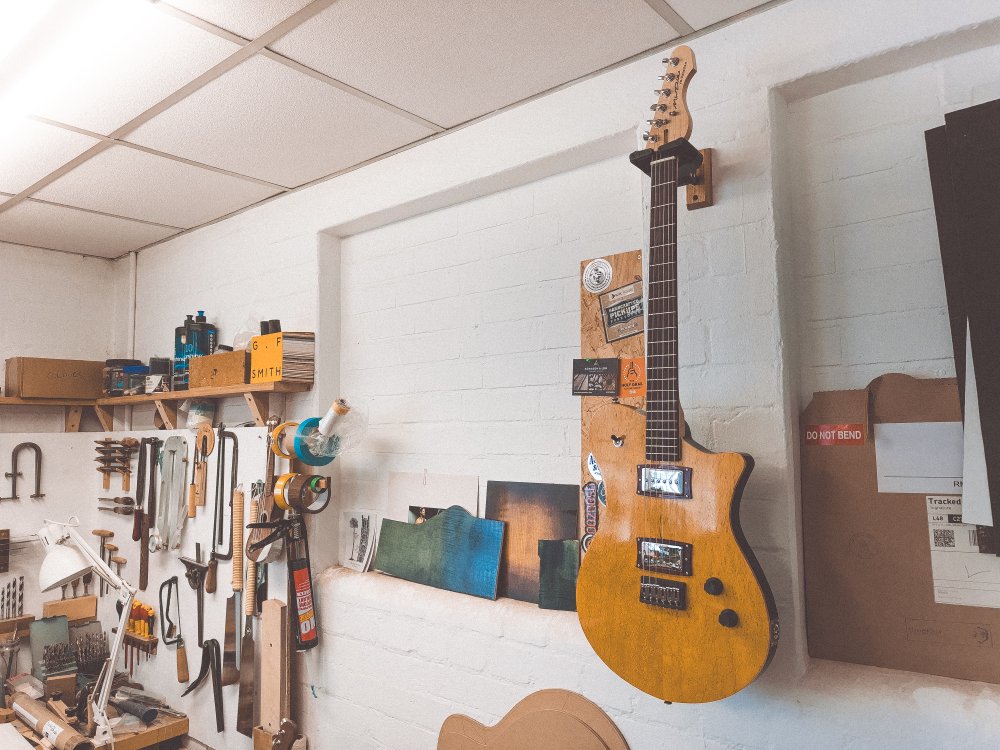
663 431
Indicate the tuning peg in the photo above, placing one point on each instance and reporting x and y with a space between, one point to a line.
658 123
650 138
671 60
668 76
663 92
658 107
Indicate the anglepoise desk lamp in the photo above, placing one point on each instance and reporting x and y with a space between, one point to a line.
67 557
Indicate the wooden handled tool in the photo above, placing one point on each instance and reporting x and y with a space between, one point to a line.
182 662
211 576
244 714
238 501
192 498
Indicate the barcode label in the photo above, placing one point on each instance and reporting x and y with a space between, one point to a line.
944 537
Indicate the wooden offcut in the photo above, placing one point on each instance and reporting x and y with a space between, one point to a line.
454 550
274 687
78 610
545 720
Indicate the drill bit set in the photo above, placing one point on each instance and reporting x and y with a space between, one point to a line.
92 650
115 457
12 599
58 658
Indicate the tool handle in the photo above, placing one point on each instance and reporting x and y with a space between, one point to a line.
182 663
192 500
202 473
212 576
238 501
136 525
250 591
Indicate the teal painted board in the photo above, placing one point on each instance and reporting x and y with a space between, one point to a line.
454 551
558 566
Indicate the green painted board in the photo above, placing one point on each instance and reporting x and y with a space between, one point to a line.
454 551
558 566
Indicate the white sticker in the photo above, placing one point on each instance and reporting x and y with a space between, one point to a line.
28 719
597 276
593 468
51 731
962 574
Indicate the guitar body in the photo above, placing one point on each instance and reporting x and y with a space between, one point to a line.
676 654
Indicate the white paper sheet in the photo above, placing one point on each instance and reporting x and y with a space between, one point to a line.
919 457
11 739
962 574
975 488
414 490
358 537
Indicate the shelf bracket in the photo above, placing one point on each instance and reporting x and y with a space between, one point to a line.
258 403
106 417
168 413
73 416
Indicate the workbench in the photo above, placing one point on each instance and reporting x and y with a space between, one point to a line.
166 733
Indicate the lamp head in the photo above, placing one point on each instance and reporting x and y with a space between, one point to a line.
63 562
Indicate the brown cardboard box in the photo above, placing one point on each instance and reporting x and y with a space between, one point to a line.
223 368
869 587
36 377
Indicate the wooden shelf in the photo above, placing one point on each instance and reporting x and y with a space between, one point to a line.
257 396
16 401
21 624
219 392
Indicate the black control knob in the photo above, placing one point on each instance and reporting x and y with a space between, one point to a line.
714 586
728 618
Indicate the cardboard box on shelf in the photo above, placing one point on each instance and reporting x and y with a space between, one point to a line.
221 368
39 377
869 579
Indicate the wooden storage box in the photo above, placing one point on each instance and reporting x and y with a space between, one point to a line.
223 368
37 377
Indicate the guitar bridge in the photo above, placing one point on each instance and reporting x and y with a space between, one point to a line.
663 593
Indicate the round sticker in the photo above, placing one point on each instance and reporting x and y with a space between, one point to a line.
597 276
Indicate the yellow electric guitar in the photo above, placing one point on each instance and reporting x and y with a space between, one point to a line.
669 594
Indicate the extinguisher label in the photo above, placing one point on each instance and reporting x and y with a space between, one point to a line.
304 605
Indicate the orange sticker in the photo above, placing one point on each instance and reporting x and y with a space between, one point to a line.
835 434
632 381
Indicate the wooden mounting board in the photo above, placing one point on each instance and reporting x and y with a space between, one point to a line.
626 268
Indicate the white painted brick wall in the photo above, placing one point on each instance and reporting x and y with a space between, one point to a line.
870 287
58 305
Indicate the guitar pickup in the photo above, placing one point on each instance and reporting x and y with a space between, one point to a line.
663 556
663 481
663 593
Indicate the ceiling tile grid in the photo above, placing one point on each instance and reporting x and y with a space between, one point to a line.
149 121
248 18
29 150
117 64
137 185
450 61
276 124
61 228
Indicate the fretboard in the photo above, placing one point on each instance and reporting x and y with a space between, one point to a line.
663 433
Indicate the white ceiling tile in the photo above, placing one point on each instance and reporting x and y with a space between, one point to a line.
452 60
114 63
61 228
29 150
127 182
700 14
277 124
248 18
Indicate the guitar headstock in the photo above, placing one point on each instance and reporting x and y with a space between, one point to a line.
671 118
